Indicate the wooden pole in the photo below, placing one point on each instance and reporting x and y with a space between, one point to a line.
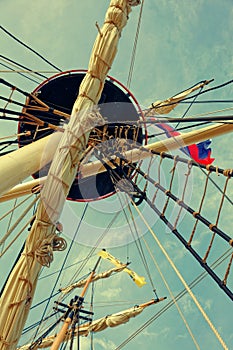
18 165
135 155
160 146
62 334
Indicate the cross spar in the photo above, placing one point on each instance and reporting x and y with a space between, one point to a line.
18 293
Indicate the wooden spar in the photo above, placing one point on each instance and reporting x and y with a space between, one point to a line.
22 189
62 334
166 145
18 165
86 328
21 285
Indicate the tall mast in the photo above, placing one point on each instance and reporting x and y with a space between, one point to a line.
18 293
62 334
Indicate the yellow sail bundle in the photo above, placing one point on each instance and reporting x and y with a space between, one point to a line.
19 291
166 106
97 277
98 325
139 280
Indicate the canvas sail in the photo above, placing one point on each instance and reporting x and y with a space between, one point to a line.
18 293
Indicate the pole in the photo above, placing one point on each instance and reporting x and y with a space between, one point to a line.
62 334
135 155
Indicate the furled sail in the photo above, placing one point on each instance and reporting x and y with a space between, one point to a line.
18 293
98 325
139 280
96 277
166 106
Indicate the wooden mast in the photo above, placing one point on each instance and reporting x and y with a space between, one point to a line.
62 334
20 288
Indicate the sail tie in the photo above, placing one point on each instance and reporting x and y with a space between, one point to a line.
7 343
44 253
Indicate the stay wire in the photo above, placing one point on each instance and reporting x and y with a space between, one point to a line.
134 47
22 66
22 74
29 48
138 244
199 93
196 281
63 264
212 327
190 105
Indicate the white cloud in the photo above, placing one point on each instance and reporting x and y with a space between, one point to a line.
111 293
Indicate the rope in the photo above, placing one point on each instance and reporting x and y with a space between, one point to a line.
197 280
2 241
183 281
199 210
29 48
218 217
23 75
63 264
184 191
134 47
171 294
16 64
138 244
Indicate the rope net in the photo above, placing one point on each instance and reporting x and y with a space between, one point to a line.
185 199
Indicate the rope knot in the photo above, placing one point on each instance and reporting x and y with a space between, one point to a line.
44 253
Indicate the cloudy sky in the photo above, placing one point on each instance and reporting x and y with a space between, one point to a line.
180 43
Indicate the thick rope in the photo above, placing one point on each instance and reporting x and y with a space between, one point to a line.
183 282
171 294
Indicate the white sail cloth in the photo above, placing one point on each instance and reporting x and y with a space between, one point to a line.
18 293
82 283
99 325
166 106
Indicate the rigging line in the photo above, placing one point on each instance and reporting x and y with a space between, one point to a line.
180 203
182 280
211 168
17 222
63 264
91 309
44 300
31 119
198 94
182 128
27 70
171 294
208 90
140 250
134 47
190 105
137 242
29 48
196 281
213 182
23 75
157 119
213 228
96 245
65 268
13 87
29 328
9 222
90 253
9 100
209 101
30 70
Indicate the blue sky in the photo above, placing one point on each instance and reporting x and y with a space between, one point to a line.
180 43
